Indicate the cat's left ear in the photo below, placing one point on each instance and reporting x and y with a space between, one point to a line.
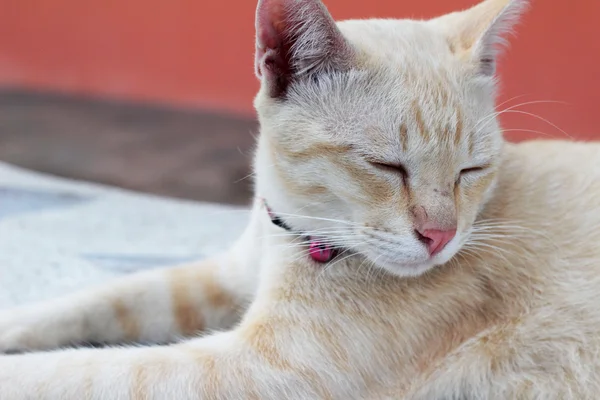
477 34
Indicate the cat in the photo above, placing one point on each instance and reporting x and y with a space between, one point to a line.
397 246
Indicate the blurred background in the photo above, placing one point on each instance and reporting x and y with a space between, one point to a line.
156 95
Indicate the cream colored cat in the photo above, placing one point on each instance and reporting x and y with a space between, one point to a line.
408 252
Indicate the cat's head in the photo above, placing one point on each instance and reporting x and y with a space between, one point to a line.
379 135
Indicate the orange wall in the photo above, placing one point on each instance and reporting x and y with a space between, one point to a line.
200 52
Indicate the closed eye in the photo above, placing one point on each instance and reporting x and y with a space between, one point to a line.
396 168
474 170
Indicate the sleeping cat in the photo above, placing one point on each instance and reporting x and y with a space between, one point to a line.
397 247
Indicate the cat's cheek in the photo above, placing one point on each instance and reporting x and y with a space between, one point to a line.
475 190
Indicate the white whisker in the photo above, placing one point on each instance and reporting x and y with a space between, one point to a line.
508 109
317 218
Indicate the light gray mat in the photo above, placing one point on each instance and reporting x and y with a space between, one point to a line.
58 235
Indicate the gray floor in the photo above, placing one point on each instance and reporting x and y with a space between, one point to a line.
180 153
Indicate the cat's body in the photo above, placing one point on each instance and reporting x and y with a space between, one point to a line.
513 315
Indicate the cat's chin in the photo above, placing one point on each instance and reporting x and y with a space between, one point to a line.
401 266
407 270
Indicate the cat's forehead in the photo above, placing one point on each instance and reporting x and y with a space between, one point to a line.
405 43
391 110
404 69
385 98
414 62
407 90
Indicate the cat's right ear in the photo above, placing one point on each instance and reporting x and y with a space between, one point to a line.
296 39
477 34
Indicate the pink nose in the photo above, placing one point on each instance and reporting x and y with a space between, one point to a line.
436 240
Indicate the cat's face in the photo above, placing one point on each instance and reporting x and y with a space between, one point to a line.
388 144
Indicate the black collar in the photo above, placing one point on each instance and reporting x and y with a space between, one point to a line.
317 250
275 219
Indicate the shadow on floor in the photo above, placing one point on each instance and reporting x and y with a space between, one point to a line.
187 154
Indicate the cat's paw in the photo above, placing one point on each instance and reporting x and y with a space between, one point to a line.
17 340
20 332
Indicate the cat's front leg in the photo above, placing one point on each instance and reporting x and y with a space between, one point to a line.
151 373
222 366
155 306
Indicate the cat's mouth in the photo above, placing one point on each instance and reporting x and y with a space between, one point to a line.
399 254
405 257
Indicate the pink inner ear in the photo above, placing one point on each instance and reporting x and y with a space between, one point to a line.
270 27
294 38
267 20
